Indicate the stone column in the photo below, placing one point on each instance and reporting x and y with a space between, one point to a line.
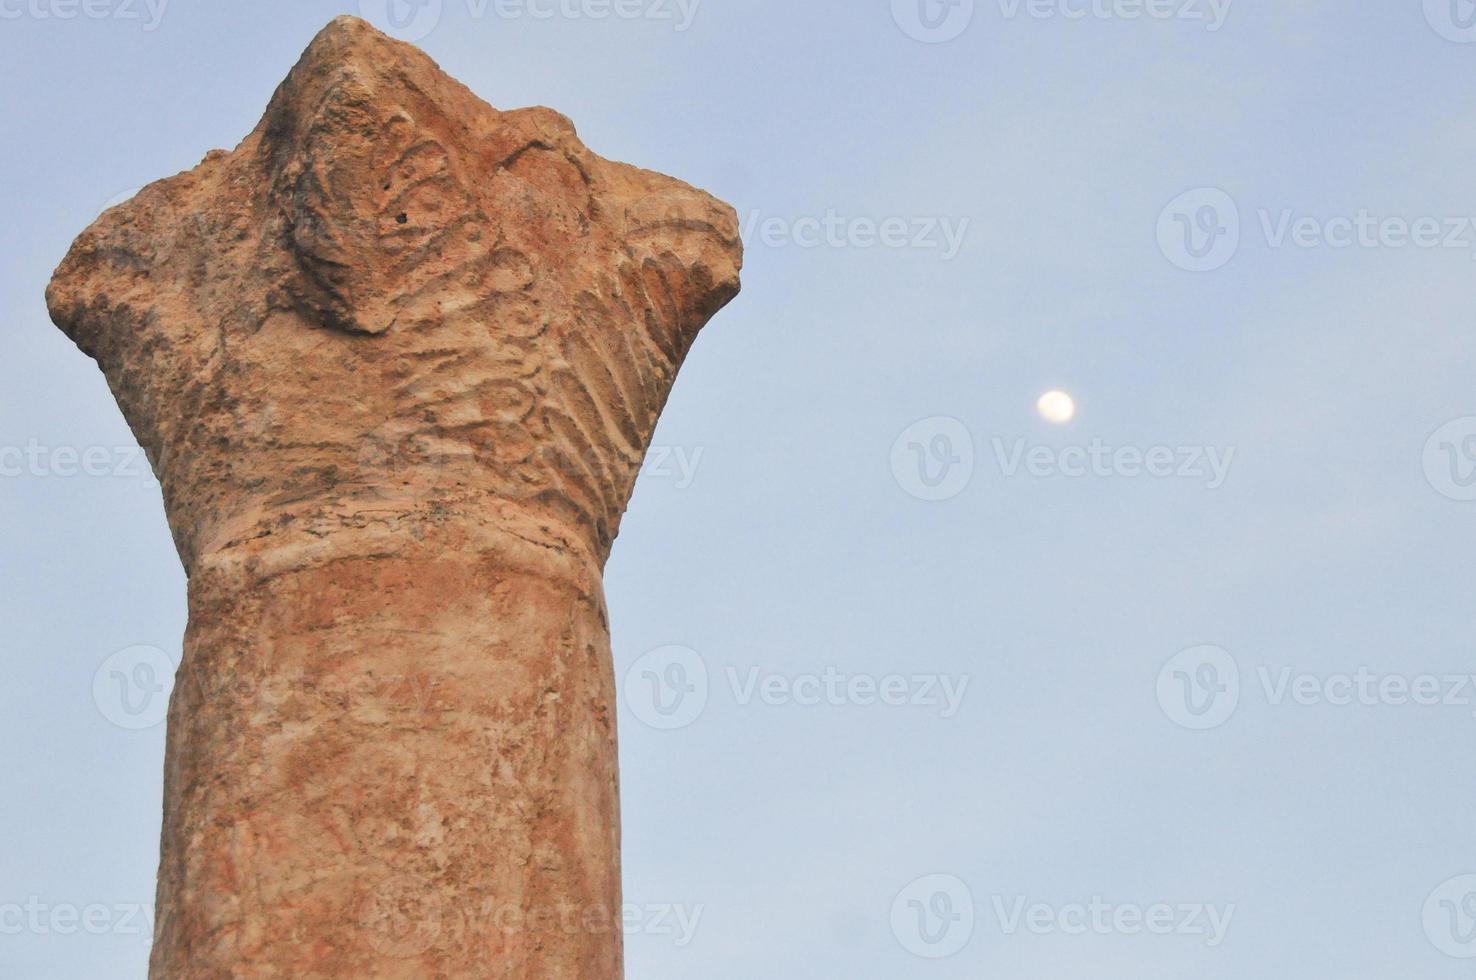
396 360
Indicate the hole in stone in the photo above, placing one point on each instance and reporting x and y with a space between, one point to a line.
401 218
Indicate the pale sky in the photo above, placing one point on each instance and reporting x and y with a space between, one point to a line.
947 707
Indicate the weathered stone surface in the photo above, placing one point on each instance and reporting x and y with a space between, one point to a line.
396 360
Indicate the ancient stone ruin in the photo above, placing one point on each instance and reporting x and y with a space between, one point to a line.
396 360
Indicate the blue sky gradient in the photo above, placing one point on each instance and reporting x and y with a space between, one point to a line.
784 537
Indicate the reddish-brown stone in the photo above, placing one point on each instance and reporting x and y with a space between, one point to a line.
396 360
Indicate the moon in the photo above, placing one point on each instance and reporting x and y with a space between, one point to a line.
1057 407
